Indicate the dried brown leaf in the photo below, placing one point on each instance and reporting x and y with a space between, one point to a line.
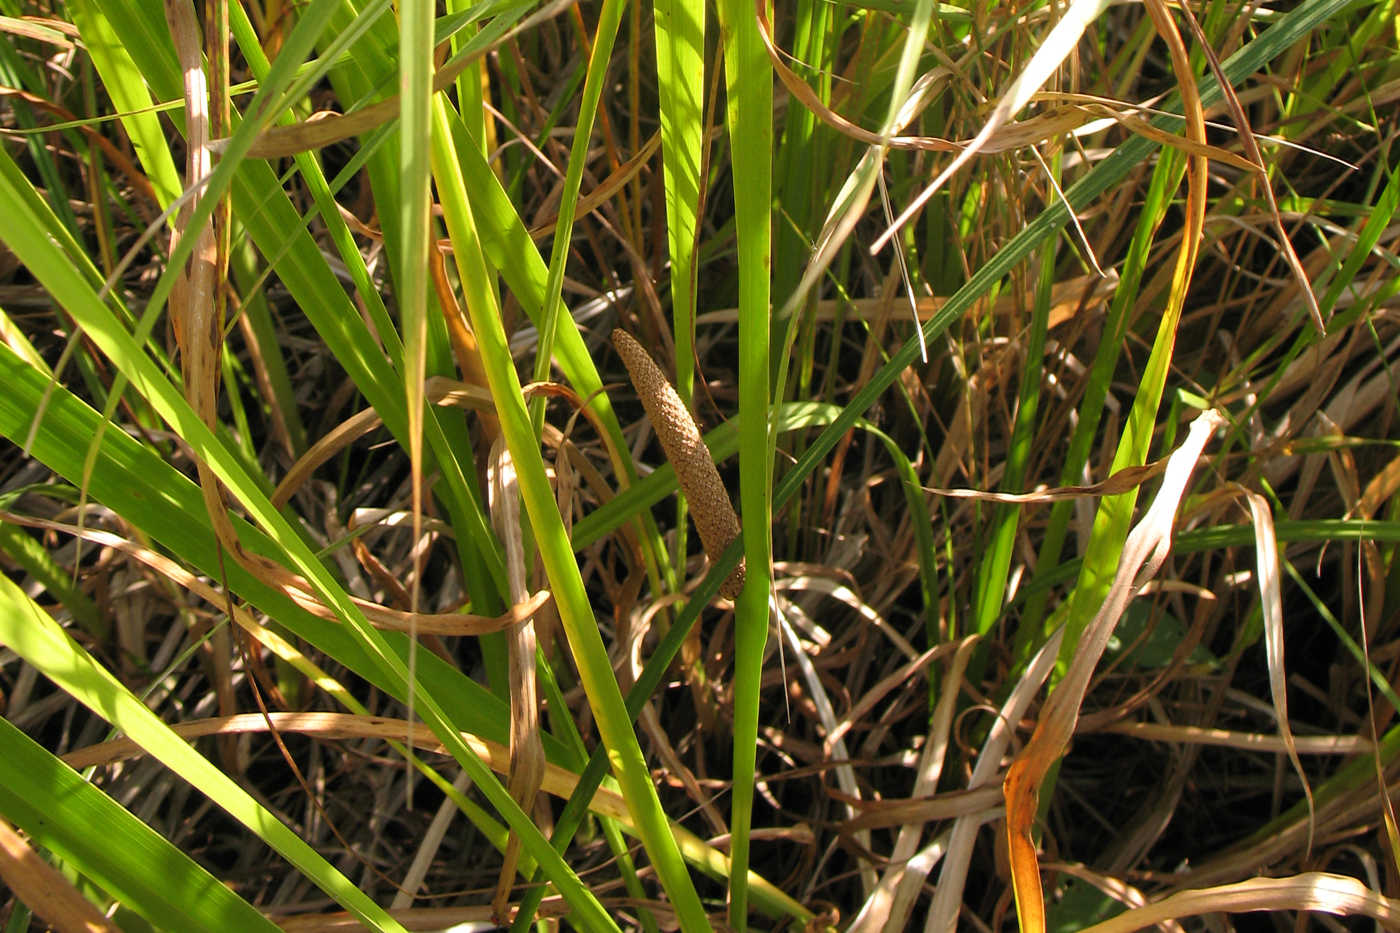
527 758
1143 554
1320 891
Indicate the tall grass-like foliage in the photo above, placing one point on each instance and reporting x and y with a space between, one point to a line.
1048 352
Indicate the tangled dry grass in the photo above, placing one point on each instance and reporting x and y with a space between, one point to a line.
1223 743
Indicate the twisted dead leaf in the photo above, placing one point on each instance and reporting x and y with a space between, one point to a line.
527 758
1143 554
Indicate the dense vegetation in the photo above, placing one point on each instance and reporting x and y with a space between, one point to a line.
1046 350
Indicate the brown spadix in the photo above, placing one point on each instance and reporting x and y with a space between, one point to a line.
695 469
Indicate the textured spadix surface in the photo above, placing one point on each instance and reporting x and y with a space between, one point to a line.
710 506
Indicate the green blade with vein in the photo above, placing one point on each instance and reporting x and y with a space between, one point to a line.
35 636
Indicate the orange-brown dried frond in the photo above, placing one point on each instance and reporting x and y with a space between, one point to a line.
710 506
